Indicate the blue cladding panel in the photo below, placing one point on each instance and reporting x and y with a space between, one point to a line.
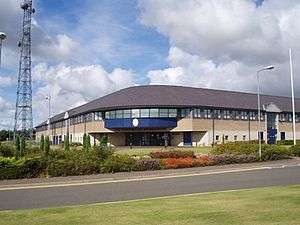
142 123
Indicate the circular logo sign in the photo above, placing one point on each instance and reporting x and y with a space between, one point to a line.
135 122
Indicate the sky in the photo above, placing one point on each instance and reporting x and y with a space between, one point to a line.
82 50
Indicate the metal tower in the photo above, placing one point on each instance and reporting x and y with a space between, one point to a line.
23 114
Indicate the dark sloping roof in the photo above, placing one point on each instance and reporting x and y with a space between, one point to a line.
178 96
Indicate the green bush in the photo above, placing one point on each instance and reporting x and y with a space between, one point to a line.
295 150
118 163
225 159
18 147
287 142
47 146
12 168
7 150
148 164
172 154
269 152
42 143
72 163
23 146
67 143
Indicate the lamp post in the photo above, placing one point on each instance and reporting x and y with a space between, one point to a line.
293 97
2 38
258 106
48 98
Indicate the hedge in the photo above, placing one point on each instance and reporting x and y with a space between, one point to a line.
172 154
269 152
12 168
287 142
7 150
295 150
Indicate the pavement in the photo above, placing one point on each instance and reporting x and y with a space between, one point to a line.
66 191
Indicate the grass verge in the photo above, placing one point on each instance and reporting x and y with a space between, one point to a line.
273 205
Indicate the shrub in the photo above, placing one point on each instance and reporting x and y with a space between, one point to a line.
273 152
287 142
203 160
66 143
22 146
148 164
7 150
225 159
42 143
269 152
12 168
47 146
118 163
18 148
175 163
72 163
295 150
75 144
172 154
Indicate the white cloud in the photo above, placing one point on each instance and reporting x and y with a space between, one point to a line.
71 86
6 81
6 113
221 44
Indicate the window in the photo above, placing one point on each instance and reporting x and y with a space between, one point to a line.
145 113
244 115
98 116
89 117
127 113
289 117
226 114
217 137
135 113
119 114
153 113
197 113
185 113
163 113
207 113
110 115
253 115
226 137
218 114
172 112
235 137
237 115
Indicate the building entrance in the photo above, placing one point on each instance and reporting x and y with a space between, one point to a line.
271 128
147 139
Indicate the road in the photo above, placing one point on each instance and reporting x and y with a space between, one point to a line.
28 197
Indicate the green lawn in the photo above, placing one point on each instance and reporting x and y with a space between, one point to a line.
140 151
276 205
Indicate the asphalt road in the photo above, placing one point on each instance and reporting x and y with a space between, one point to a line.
53 196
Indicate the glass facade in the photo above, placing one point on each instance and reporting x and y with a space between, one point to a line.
201 113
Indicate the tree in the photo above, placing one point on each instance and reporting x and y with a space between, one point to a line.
42 143
88 142
18 149
22 146
47 146
84 142
67 143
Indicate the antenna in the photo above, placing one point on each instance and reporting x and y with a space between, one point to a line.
23 113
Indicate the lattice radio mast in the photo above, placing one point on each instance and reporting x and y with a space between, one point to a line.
23 114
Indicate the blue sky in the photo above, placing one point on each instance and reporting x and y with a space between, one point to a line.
140 48
83 50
